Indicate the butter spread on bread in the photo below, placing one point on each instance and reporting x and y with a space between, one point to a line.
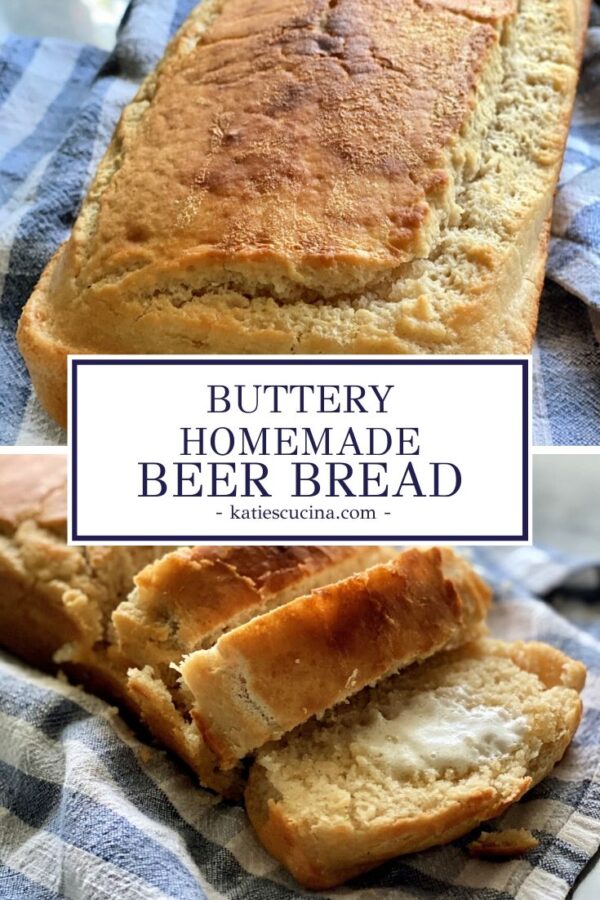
329 804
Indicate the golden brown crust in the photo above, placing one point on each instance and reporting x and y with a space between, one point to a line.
189 596
552 666
44 352
264 678
234 272
34 623
312 864
321 855
273 187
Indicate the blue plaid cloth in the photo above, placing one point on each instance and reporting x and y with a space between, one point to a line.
87 811
58 105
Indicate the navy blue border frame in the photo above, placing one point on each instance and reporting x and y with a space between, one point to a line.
316 361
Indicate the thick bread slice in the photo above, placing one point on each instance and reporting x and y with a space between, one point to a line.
188 601
264 678
419 760
52 596
258 237
190 597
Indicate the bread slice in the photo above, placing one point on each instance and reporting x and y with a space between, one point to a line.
172 726
419 760
299 178
191 596
264 678
188 600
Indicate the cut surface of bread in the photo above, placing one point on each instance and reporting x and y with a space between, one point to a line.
418 760
151 699
359 177
280 669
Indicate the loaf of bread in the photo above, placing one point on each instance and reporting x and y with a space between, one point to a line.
262 679
419 760
186 601
56 604
306 177
410 759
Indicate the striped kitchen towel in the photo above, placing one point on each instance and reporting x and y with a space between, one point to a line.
88 811
58 105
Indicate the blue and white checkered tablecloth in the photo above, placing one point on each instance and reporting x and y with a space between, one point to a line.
59 102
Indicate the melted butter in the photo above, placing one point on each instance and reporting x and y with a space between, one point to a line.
439 733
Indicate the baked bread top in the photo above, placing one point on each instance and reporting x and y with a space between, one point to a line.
297 147
364 177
